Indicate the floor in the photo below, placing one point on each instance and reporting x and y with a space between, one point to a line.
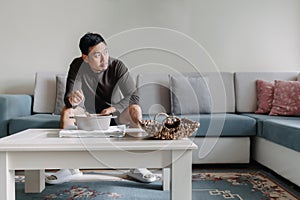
111 174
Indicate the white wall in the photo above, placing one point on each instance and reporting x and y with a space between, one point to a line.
182 35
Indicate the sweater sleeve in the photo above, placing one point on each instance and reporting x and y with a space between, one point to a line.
73 81
127 87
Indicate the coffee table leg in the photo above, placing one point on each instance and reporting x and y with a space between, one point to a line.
181 175
7 178
34 181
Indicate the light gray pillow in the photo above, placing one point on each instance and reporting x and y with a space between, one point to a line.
190 95
44 92
61 81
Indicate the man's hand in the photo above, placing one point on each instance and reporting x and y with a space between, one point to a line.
108 111
76 97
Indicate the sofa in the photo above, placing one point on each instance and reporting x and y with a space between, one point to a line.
223 102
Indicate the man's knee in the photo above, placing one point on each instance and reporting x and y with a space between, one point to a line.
135 108
135 113
132 115
65 119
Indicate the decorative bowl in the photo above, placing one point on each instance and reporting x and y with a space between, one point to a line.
171 128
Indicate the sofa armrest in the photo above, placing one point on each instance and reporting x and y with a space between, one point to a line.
13 105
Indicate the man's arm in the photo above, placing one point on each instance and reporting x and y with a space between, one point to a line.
128 89
73 82
126 86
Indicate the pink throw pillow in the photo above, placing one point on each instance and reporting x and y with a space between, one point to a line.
286 98
265 92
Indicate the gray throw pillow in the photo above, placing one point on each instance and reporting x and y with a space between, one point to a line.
190 95
61 81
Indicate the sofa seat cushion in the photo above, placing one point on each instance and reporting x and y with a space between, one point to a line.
261 118
220 124
33 121
283 132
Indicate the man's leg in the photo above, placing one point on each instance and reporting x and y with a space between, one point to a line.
65 118
131 115
64 175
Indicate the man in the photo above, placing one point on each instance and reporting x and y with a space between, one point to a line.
93 81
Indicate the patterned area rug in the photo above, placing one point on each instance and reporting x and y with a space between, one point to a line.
207 185
241 185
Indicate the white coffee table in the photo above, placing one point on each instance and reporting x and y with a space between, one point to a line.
35 150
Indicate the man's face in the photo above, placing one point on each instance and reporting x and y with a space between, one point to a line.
97 57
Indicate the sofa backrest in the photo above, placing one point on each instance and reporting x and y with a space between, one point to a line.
221 85
44 92
230 92
154 91
245 87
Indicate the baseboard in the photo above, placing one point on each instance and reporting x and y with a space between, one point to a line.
221 150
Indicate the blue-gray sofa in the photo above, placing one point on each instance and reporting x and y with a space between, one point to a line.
230 131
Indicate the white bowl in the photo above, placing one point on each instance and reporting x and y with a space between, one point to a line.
93 122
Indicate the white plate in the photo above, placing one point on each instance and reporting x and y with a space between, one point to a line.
136 132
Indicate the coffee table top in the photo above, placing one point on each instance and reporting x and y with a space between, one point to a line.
49 140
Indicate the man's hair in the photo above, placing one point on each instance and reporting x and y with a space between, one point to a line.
89 40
